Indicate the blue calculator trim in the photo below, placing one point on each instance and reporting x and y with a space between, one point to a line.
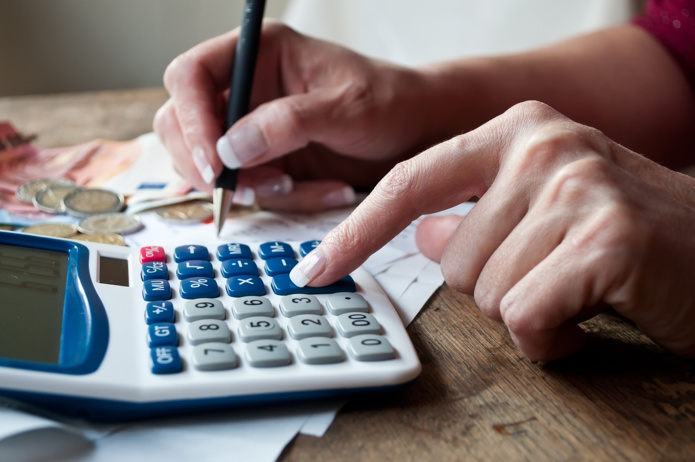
112 410
85 332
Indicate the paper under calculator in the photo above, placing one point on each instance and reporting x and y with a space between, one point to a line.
114 332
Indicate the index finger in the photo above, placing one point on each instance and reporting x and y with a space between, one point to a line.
439 178
195 80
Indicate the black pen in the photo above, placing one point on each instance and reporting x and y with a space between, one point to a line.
243 68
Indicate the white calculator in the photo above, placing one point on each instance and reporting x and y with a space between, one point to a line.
116 333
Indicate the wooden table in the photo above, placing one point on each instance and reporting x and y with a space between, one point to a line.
478 398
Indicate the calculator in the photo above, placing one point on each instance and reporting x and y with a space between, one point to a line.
113 333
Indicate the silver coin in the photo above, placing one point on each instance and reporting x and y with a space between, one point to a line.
110 223
186 212
26 192
52 229
51 199
83 202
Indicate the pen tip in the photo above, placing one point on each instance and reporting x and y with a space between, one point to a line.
221 203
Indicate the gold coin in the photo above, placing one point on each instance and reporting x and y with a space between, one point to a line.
103 238
186 212
52 229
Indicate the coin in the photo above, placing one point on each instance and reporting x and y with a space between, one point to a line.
52 229
186 212
51 199
26 192
83 202
7 227
110 223
103 238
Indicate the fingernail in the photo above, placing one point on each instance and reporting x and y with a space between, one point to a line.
308 268
202 164
343 196
275 186
244 196
241 145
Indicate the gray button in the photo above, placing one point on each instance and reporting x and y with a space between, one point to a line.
309 325
346 302
214 357
258 327
267 353
351 324
203 308
245 307
292 305
318 350
208 330
370 348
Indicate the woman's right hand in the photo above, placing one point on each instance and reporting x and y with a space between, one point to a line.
322 120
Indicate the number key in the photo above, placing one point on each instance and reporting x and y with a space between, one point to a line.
214 357
292 305
267 353
351 324
309 325
245 307
258 327
209 330
194 310
317 350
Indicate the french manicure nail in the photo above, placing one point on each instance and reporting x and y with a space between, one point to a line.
202 164
339 198
275 186
241 145
308 268
244 196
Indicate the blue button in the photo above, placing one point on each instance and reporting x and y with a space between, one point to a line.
275 266
275 250
238 267
191 252
243 286
199 288
282 285
154 270
156 289
194 268
308 246
162 334
159 312
233 250
165 360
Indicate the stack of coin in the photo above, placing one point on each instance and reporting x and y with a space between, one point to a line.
98 208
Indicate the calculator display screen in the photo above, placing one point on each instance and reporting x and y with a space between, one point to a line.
32 295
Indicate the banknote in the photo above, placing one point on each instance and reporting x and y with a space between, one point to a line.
139 169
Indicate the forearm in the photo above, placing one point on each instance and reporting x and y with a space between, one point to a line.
619 80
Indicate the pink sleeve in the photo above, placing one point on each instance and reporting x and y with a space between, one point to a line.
672 22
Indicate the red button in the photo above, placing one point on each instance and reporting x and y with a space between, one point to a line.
152 253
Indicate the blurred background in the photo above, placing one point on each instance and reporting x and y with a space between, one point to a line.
56 46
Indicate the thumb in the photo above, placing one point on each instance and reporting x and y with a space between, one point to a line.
278 127
433 234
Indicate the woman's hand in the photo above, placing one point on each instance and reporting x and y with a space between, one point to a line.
568 223
346 119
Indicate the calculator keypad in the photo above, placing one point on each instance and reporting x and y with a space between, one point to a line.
250 329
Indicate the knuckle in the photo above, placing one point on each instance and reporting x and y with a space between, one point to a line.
400 183
577 179
455 275
162 119
487 300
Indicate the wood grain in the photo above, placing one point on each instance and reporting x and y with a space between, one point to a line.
621 398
